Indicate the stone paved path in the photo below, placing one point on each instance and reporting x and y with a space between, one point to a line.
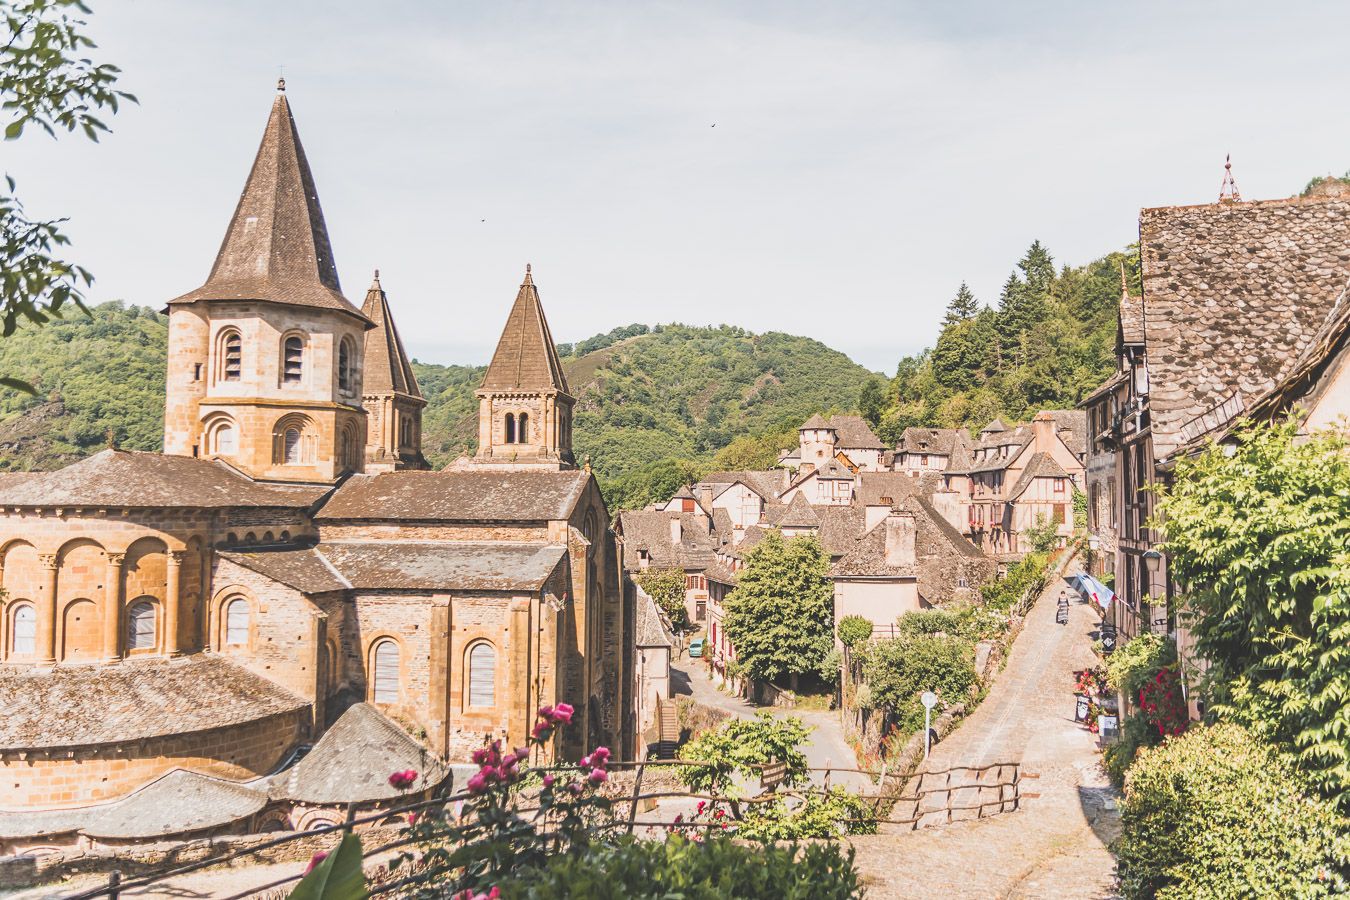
1055 845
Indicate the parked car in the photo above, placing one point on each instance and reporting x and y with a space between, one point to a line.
696 648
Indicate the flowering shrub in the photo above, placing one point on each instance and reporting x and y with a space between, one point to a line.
1162 703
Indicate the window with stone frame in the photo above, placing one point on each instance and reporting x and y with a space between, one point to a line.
384 687
230 355
23 640
482 678
290 443
141 625
347 366
293 360
237 614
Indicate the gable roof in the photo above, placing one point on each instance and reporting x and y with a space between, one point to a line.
649 530
816 422
138 479
276 247
443 565
649 630
526 358
799 514
855 433
466 496
386 368
1071 427
1041 465
1234 293
939 441
352 761
867 559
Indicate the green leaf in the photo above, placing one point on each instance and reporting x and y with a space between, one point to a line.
338 877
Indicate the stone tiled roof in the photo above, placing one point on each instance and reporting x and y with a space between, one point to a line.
766 484
840 527
277 246
1071 426
1016 438
1330 340
1131 319
69 706
855 433
873 486
386 368
133 478
650 631
526 358
867 559
352 762
721 573
649 529
176 803
814 423
1233 295
1041 465
996 425
799 514
938 441
458 565
467 496
305 570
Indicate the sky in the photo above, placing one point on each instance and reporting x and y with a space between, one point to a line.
833 169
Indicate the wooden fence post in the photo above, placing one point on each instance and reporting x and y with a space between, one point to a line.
637 789
114 882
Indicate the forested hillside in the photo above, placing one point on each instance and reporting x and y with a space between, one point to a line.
1046 344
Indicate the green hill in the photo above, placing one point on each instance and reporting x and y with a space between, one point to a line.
653 404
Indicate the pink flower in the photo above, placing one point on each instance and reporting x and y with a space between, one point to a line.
403 780
562 714
412 818
679 817
477 784
585 762
574 788
541 730
702 804
546 713
314 860
548 781
599 755
598 776
480 756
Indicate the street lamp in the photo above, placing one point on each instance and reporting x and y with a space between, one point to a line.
1152 565
1094 543
929 700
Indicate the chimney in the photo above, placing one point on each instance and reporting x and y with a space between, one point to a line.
705 496
1043 432
900 535
676 529
875 513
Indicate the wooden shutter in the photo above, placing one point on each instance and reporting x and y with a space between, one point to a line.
482 676
386 672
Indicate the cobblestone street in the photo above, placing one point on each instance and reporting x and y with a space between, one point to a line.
1055 845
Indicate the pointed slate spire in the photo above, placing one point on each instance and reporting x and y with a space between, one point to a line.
526 359
276 247
387 369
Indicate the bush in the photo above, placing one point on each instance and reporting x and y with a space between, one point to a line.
1028 574
741 746
667 588
969 622
1137 661
712 869
854 631
899 671
831 815
1136 733
1216 813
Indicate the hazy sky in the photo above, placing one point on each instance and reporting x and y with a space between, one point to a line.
866 157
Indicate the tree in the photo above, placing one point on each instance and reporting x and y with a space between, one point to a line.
44 81
740 747
667 588
754 452
780 616
899 671
1258 539
963 306
872 400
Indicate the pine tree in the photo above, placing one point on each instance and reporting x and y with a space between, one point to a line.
963 306
1038 269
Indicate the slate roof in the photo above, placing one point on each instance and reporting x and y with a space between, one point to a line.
1131 319
351 763
840 527
305 570
75 705
1016 438
815 422
766 484
996 425
649 529
939 441
178 802
526 358
855 433
461 496
1330 340
1074 422
427 565
1041 465
277 246
867 559
650 631
799 514
873 486
137 479
1233 295
385 368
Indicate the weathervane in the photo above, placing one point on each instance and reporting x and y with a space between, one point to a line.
1228 191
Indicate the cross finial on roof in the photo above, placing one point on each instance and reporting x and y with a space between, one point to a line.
377 276
1228 191
281 84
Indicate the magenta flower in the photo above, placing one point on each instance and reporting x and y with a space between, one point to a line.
598 776
562 714
314 860
403 780
477 784
548 781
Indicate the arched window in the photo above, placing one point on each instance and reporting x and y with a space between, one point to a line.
510 428
346 366
405 430
24 640
482 675
523 430
293 359
224 439
384 685
236 622
231 355
141 626
290 452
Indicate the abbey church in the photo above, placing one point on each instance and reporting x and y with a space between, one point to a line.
289 558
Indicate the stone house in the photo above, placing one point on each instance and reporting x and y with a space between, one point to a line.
667 539
923 450
821 440
213 608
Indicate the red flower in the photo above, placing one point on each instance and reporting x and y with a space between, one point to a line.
403 780
314 860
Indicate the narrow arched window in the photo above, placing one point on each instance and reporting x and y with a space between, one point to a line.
384 687
346 366
141 626
510 428
293 359
291 446
236 622
523 429
24 641
227 440
232 356
482 675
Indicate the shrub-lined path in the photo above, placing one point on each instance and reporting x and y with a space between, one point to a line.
1054 846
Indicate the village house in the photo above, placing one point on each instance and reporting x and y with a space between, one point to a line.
180 624
930 449
1243 314
847 440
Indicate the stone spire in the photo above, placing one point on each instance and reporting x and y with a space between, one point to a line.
526 359
387 369
276 247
